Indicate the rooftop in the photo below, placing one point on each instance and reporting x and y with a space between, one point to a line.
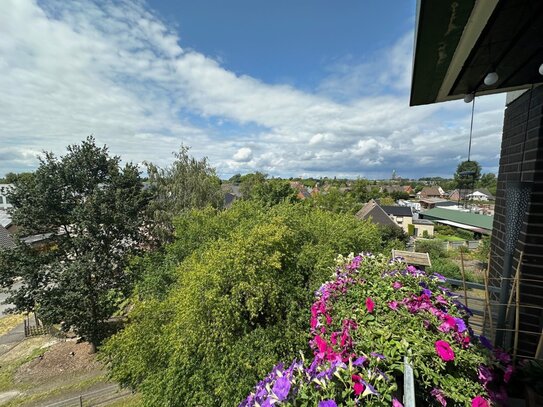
466 218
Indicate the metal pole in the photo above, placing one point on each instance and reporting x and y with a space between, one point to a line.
408 384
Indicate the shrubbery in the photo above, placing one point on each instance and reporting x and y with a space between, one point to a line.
243 283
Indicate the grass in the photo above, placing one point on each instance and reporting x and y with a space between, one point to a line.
449 238
129 401
9 322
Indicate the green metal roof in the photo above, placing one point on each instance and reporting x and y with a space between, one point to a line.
470 219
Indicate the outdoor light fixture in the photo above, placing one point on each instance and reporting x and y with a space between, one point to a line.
491 78
469 96
541 69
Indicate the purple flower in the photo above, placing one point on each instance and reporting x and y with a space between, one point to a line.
485 342
393 305
360 361
460 324
377 355
397 285
396 403
427 292
484 374
281 388
327 403
439 396
441 278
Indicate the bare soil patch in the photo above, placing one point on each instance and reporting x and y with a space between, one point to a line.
62 360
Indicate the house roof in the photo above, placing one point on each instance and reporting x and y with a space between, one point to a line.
376 213
483 191
430 191
5 219
458 43
422 222
6 241
465 218
397 210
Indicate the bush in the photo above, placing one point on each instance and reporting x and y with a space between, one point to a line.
239 303
435 248
371 315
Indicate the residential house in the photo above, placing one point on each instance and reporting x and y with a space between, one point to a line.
231 194
402 215
376 214
4 190
480 194
429 203
6 241
431 192
399 216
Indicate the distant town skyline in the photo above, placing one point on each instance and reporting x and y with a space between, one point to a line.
292 89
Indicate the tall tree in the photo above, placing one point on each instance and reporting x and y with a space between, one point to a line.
489 181
467 174
89 208
187 184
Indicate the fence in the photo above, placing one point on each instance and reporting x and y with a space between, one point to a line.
97 398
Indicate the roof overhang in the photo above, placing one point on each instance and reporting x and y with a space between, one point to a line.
457 43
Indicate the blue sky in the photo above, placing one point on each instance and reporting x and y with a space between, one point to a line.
290 88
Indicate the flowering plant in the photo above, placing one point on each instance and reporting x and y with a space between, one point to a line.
364 321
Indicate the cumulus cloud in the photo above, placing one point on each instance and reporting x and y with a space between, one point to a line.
243 155
115 70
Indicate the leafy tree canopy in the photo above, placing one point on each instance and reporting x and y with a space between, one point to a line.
243 284
88 208
467 174
188 183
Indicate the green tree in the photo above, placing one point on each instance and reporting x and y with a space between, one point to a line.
188 183
273 191
489 181
249 181
89 209
467 174
240 301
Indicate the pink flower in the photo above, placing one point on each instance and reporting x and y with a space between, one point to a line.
396 403
321 343
397 285
358 388
444 350
508 373
357 384
479 402
439 396
393 305
370 305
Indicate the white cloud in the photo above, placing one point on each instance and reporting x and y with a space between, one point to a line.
243 155
113 69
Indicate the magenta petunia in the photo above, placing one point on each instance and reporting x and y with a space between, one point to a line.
479 402
370 305
396 403
393 305
397 285
444 350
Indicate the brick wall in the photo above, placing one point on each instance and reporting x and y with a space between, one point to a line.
522 160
